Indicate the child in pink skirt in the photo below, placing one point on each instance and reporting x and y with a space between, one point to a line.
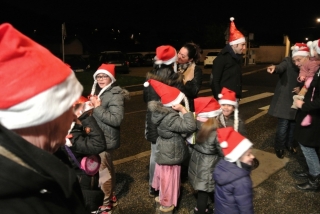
174 122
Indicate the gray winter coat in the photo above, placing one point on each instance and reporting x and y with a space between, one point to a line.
109 114
171 148
282 100
204 157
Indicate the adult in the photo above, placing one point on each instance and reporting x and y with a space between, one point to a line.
35 116
162 72
281 102
108 101
188 56
226 68
308 136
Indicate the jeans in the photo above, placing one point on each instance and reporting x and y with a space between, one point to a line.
312 160
284 134
152 163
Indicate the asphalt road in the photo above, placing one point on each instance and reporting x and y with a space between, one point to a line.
277 194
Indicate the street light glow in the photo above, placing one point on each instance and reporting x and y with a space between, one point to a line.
318 19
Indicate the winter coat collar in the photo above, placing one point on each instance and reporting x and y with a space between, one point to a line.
31 163
228 49
226 172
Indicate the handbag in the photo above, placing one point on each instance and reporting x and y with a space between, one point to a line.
89 164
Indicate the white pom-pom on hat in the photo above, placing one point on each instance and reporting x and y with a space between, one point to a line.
220 95
146 84
309 44
224 144
231 19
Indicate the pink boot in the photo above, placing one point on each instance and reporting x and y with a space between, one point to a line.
306 120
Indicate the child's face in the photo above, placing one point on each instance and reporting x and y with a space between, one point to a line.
247 157
227 109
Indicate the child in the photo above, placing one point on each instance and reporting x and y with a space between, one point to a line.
233 188
307 70
230 112
206 152
108 101
173 122
86 138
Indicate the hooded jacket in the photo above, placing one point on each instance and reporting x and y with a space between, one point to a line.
110 113
171 148
204 157
149 94
233 189
35 181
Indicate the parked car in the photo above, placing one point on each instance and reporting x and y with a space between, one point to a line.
149 59
208 60
76 62
135 59
115 57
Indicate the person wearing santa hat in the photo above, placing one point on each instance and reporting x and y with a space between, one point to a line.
163 71
226 68
308 136
230 111
308 67
86 139
35 116
233 185
280 106
108 101
188 55
205 152
174 122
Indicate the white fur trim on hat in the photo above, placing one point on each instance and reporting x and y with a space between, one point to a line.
238 151
300 53
103 71
310 46
43 107
224 144
210 114
228 102
176 101
238 41
168 62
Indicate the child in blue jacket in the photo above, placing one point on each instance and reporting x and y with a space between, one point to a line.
233 187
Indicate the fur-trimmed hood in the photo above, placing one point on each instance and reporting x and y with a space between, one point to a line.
161 111
173 79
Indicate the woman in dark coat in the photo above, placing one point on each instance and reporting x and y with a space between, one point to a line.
188 56
280 106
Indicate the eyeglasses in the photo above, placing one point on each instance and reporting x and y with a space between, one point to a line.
102 77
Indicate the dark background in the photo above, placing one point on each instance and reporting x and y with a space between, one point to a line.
102 25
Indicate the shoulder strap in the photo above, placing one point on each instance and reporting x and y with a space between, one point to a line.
72 156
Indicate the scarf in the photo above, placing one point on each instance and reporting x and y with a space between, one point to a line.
187 70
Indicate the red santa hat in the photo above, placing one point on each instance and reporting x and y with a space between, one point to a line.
233 144
108 69
38 86
206 107
169 95
228 97
300 49
167 55
235 36
82 105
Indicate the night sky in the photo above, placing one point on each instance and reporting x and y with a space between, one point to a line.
171 20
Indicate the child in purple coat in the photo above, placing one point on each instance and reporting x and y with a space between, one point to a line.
233 187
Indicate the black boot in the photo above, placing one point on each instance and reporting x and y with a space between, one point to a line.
313 184
301 174
280 153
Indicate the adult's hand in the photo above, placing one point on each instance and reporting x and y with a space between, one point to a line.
271 69
95 101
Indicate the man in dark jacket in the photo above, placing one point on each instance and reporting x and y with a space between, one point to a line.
35 116
280 106
226 68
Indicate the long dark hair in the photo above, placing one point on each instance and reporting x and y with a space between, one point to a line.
194 51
